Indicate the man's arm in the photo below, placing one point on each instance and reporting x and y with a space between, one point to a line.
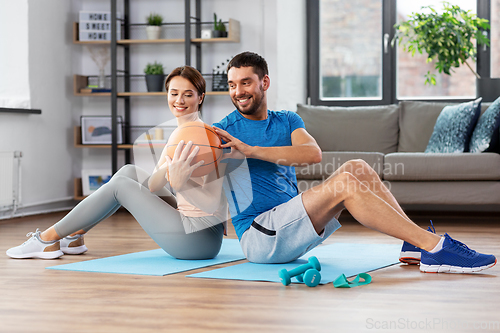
304 149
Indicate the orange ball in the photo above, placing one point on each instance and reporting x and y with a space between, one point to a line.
203 136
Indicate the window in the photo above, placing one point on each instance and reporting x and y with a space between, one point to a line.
495 38
14 86
350 51
411 70
351 61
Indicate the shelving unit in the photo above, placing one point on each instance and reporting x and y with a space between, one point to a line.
81 81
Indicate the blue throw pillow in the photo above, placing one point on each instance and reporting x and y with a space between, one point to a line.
454 127
485 135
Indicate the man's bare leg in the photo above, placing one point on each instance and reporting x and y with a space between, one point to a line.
344 190
369 177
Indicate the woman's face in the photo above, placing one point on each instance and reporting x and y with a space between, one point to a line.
183 98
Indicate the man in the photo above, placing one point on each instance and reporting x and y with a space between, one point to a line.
281 224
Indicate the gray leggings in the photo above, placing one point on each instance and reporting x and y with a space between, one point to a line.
155 212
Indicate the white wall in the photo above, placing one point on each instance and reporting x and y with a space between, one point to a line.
46 140
273 28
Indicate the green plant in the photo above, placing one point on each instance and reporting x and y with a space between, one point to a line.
154 19
218 26
154 69
447 38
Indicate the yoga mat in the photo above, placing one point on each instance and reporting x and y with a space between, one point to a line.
154 262
335 259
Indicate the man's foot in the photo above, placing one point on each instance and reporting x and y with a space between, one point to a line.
35 247
455 257
410 254
73 245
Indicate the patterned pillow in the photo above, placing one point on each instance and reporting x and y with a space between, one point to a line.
485 135
454 127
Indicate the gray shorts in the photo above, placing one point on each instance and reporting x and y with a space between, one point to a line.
283 234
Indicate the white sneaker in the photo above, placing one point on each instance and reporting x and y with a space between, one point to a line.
35 247
73 245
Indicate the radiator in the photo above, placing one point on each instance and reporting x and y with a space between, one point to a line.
10 179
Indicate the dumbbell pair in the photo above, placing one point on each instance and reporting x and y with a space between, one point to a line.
307 273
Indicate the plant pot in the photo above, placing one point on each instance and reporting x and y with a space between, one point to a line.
219 34
488 88
155 82
153 31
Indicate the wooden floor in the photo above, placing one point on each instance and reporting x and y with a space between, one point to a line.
400 298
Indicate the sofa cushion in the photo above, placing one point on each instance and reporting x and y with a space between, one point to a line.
416 123
446 166
364 129
331 161
454 127
485 135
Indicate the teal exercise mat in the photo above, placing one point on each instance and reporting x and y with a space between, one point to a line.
341 258
154 262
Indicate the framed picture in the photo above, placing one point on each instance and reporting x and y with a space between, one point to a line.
97 130
93 179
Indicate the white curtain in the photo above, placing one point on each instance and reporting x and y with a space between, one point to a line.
14 66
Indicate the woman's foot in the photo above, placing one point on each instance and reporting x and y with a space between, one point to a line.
35 247
73 245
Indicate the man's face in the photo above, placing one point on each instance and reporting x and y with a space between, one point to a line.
246 90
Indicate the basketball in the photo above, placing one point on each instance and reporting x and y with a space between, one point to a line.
203 136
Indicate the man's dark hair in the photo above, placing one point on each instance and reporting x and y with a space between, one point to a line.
250 59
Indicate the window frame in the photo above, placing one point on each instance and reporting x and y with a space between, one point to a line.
389 62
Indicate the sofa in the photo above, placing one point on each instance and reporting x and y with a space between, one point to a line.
393 139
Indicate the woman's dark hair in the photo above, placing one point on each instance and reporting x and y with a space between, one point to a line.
192 75
250 59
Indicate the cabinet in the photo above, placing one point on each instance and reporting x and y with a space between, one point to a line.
191 25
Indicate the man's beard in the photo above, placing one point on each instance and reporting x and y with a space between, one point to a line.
257 102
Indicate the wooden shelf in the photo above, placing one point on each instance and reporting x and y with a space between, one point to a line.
81 81
233 37
77 141
77 189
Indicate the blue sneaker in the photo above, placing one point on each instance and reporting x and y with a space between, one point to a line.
455 257
410 254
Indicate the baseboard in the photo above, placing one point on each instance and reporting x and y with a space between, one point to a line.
40 208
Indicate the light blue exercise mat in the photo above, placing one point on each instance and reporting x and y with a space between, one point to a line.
335 259
154 262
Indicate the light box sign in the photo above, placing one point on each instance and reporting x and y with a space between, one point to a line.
86 15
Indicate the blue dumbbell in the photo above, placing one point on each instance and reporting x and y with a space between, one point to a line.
313 264
311 277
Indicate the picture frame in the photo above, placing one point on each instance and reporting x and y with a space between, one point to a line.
93 179
97 130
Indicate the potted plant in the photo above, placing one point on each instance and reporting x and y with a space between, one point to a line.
448 38
154 77
153 29
219 28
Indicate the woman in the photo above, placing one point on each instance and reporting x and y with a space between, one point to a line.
189 225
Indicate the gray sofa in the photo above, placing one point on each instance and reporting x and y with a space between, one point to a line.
392 139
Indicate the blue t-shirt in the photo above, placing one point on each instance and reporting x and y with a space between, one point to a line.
271 184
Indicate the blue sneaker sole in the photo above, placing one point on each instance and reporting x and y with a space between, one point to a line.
453 269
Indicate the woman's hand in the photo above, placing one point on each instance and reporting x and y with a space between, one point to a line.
179 167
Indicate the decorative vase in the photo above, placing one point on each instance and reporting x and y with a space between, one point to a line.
488 88
155 82
153 31
101 83
219 34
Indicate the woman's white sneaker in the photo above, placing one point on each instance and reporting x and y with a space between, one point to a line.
73 245
35 247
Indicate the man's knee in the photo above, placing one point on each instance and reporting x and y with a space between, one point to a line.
345 183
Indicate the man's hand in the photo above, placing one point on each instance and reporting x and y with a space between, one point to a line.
233 143
179 167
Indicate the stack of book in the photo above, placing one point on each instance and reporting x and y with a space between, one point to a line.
94 25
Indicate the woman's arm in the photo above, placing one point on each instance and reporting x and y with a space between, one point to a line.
159 177
207 196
